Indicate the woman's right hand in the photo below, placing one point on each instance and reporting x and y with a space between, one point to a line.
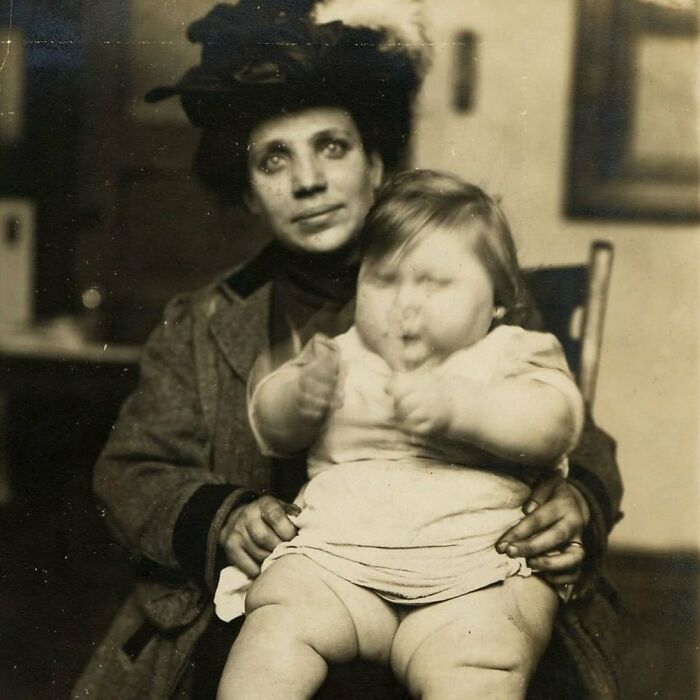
254 529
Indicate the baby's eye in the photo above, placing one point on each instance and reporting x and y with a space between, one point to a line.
433 283
442 282
382 279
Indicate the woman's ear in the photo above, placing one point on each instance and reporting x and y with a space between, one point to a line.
250 201
376 170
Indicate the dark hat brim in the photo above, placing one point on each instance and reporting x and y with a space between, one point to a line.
161 93
164 91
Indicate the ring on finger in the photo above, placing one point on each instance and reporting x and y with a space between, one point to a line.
576 543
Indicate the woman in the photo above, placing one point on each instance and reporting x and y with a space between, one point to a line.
301 116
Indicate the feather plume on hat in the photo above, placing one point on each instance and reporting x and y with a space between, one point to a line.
400 21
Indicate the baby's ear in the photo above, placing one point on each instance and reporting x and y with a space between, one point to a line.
376 170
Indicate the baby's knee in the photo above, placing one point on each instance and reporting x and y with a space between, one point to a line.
300 610
465 667
452 675
469 683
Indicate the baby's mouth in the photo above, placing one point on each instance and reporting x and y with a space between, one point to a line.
409 337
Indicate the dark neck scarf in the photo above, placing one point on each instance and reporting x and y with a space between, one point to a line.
309 291
328 277
331 277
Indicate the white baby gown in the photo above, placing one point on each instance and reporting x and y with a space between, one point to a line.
414 519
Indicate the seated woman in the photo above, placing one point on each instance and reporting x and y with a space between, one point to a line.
300 117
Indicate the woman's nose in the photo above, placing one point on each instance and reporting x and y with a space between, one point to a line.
308 176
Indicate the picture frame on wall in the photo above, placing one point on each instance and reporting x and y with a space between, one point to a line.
634 139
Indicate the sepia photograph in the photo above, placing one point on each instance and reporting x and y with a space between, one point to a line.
349 349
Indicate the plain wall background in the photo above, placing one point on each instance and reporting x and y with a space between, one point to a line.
514 143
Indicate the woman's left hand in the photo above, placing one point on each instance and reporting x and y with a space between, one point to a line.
549 536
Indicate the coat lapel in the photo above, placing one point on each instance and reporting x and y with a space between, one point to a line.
240 328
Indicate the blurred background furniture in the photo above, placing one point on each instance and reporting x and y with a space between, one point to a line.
572 300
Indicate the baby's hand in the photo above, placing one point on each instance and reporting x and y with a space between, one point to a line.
318 378
422 402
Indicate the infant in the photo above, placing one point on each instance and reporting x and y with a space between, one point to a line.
426 423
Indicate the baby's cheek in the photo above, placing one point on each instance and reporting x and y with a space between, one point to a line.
372 325
367 325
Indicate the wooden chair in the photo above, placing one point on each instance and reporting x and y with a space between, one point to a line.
572 301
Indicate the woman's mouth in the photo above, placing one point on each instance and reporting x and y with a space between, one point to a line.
316 215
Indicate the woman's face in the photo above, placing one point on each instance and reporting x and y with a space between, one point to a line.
311 179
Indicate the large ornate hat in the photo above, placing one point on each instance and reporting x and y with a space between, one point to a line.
260 57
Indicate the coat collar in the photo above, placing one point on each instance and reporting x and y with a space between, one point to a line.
240 318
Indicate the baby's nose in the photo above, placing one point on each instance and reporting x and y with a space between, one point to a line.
406 312
408 298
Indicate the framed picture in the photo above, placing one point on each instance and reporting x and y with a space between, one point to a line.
634 129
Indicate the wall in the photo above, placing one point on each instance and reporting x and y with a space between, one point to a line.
514 143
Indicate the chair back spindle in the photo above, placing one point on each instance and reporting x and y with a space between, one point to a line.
572 301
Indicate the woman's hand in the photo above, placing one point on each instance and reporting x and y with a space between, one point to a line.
253 530
549 536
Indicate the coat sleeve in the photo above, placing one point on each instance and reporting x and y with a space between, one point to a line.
593 467
153 478
594 471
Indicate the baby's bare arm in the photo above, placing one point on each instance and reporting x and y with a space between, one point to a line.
290 405
519 419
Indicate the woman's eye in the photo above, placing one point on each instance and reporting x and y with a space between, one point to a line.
272 163
335 148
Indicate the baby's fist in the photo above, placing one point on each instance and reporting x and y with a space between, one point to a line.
421 402
318 378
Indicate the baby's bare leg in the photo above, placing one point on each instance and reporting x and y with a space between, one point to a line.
485 644
300 618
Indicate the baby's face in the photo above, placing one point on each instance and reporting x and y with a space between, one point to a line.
417 306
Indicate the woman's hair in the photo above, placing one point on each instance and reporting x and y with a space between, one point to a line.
413 203
266 58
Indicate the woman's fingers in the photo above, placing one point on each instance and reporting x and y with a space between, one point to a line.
542 492
255 551
255 529
242 560
550 526
540 520
259 537
567 560
554 537
238 551
276 516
